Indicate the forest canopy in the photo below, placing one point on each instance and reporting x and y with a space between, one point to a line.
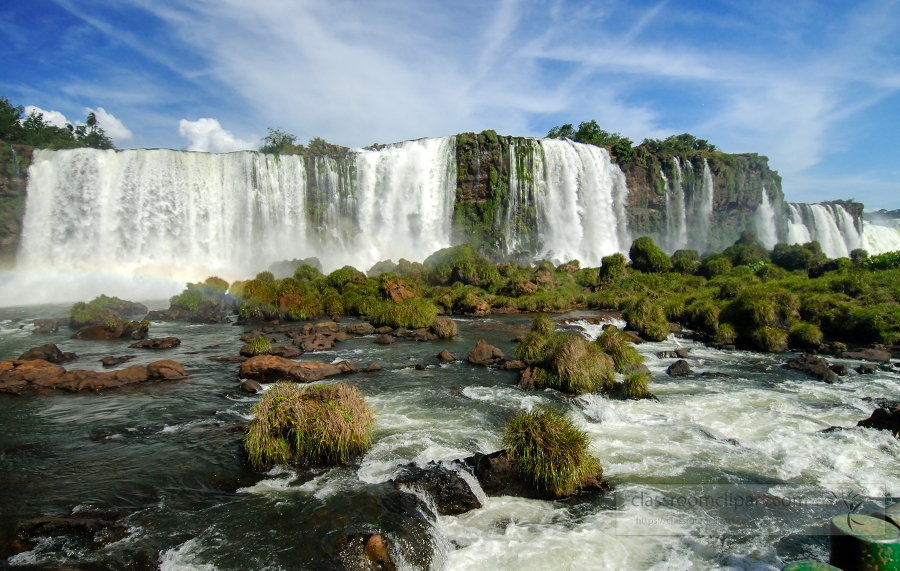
33 130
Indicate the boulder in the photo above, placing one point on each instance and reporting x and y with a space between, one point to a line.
269 368
166 370
49 353
346 367
49 325
21 377
450 493
528 378
383 330
286 351
513 365
251 386
157 343
679 368
885 417
113 361
372 368
317 342
485 355
384 339
359 329
813 366
875 355
634 336
133 330
445 357
325 327
682 353
839 370
866 369
423 334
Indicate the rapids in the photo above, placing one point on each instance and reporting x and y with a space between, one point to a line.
167 459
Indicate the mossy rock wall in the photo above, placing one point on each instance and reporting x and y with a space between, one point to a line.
14 162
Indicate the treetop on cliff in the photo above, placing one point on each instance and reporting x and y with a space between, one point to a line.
683 143
278 142
33 130
589 132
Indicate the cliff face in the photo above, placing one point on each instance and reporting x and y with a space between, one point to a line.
14 161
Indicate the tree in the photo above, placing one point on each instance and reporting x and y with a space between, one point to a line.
590 133
278 142
10 115
92 134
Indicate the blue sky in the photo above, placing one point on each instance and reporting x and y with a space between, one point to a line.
815 86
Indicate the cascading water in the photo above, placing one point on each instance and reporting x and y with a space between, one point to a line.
580 198
703 209
798 233
676 215
877 239
828 224
766 230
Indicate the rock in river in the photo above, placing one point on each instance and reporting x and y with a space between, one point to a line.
484 355
679 368
269 368
813 366
157 343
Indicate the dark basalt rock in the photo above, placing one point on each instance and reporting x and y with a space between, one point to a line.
679 368
49 325
866 369
449 491
715 375
49 353
498 475
839 370
485 355
92 532
813 366
885 417
157 343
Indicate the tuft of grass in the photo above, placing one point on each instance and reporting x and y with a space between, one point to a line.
444 327
647 318
726 334
575 365
411 313
260 346
617 345
543 325
636 385
319 424
805 335
531 348
769 339
551 452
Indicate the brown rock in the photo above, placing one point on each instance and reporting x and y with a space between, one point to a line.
157 343
167 370
445 357
347 367
285 351
359 329
269 368
484 355
423 334
113 361
513 365
397 290
377 555
118 330
384 339
251 386
885 417
813 366
372 368
876 355
527 379
18 377
49 353
634 336
383 330
325 327
679 368
229 359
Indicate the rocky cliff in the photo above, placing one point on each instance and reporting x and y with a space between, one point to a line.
14 161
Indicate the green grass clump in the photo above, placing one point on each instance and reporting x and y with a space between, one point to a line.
98 311
703 315
647 257
411 313
551 452
531 348
769 339
444 327
543 325
618 346
647 318
726 334
805 335
260 346
574 365
636 385
613 267
318 424
305 272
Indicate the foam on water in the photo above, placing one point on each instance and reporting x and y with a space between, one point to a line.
184 558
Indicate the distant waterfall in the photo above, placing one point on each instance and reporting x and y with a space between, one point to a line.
828 224
196 214
580 197
877 239
766 229
676 215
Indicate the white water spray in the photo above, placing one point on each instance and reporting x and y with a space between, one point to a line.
766 230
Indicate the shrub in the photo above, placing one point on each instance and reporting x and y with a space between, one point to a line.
715 265
647 318
266 277
338 279
797 257
333 303
574 365
531 347
647 257
543 325
805 336
763 306
885 261
703 314
411 313
769 339
691 255
685 266
309 423
726 334
260 346
747 250
636 385
858 255
551 452
613 267
618 346
216 285
444 327
306 272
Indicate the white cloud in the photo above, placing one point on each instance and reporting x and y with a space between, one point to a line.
54 118
208 135
110 125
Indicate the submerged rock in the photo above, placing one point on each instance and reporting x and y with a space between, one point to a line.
679 368
485 355
384 339
451 494
866 369
113 361
133 330
49 325
839 370
372 368
813 366
885 417
157 343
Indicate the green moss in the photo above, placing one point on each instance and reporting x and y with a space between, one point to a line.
551 452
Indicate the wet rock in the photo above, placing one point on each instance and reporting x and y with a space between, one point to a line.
93 531
133 330
634 336
715 375
247 337
813 366
347 367
372 368
445 357
513 365
251 386
444 327
667 355
359 329
449 491
42 326
377 555
316 342
384 339
19 377
325 327
27 377
885 417
166 370
679 368
485 355
866 369
839 370
423 334
113 361
286 351
384 330
229 359
49 353
527 379
269 368
499 476
683 353
875 355
157 343
399 332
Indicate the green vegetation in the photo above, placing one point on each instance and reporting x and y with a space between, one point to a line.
260 346
551 452
204 296
618 346
636 385
100 310
278 142
444 327
411 313
317 424
647 257
589 132
32 130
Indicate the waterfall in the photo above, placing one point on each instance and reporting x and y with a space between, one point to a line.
877 239
798 233
580 200
184 215
520 213
766 230
828 224
676 215
701 211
